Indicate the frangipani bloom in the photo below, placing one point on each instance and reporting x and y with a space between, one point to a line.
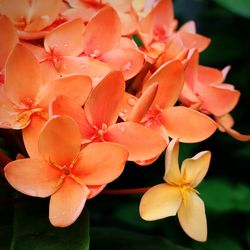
97 121
25 97
31 17
155 110
178 194
65 172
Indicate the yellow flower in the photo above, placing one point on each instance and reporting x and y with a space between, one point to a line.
178 195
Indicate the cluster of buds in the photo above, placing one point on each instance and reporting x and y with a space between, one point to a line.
88 99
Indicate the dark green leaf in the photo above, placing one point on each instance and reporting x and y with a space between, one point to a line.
32 230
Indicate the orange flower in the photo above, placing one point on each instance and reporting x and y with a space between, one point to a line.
31 17
178 194
64 172
25 98
97 121
154 110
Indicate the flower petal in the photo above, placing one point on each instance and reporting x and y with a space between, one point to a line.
59 141
8 39
101 163
187 124
170 78
76 87
194 169
172 169
23 76
208 75
192 217
96 42
141 142
33 177
66 39
67 203
104 102
63 105
159 202
95 190
31 135
129 61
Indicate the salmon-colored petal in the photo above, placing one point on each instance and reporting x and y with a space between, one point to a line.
84 13
101 163
32 177
159 202
129 61
8 39
97 43
66 39
188 97
225 72
208 75
23 76
194 169
172 170
85 65
23 35
63 105
187 124
218 99
59 141
226 123
141 142
159 129
128 22
31 135
191 69
67 203
95 190
103 105
76 87
141 107
170 78
192 217
194 41
188 27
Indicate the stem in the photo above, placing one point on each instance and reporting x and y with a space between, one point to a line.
125 191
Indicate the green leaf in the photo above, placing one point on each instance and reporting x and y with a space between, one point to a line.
240 7
222 196
32 230
116 238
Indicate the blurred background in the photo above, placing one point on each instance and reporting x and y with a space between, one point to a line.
114 219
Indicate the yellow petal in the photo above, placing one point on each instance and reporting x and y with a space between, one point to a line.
192 217
194 169
172 170
159 202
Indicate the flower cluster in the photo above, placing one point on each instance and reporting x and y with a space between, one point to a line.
88 98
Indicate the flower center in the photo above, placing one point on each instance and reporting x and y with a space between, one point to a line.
152 117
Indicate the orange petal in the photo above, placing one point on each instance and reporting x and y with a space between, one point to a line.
67 203
31 135
194 169
23 76
129 61
143 104
66 39
159 202
196 41
172 169
76 87
95 190
209 75
101 163
188 27
192 217
63 105
191 70
97 43
59 141
102 106
187 124
170 78
8 39
141 142
218 99
32 177
85 65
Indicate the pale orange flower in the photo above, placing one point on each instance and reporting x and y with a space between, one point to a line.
178 194
65 172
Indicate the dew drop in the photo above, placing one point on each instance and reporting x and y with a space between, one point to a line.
45 18
127 67
131 102
121 114
65 45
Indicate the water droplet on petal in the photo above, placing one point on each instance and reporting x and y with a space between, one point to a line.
121 114
131 101
66 45
45 18
127 67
